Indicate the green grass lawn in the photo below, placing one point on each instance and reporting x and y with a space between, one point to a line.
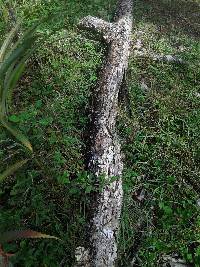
159 127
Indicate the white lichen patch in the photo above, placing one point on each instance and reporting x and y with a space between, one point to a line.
108 233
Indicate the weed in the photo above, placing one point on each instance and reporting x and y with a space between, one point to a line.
161 144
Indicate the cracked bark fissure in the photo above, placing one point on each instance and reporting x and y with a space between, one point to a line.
105 156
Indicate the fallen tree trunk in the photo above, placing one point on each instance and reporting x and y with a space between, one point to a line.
105 159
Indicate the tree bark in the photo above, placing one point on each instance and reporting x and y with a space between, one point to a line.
105 158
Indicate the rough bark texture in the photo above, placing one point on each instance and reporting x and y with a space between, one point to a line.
105 157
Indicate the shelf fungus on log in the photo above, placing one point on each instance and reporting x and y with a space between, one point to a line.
105 154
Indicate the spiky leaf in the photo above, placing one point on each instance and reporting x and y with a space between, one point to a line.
12 169
8 41
16 55
11 82
13 235
15 132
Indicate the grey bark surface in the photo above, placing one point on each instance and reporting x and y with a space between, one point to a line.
105 159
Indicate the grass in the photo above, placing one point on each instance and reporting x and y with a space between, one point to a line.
160 136
50 106
159 133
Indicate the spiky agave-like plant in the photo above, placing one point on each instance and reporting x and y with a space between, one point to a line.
13 58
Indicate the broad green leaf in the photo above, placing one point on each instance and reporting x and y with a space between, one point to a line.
1 90
17 70
12 169
21 137
16 54
30 31
13 235
8 41
13 75
24 43
11 83
16 74
7 76
25 38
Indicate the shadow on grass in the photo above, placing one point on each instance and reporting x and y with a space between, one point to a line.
177 15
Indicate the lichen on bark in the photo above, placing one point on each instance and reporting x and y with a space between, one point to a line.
105 152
